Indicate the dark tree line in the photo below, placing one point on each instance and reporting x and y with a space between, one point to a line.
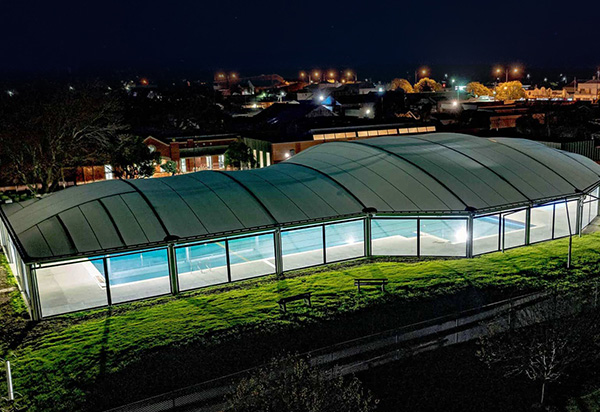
47 128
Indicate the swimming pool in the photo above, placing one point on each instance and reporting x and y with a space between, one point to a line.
154 264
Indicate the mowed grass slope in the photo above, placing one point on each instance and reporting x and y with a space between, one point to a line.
59 361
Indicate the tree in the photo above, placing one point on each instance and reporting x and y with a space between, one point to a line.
130 158
551 341
170 167
427 85
48 128
290 384
510 91
239 155
477 89
402 84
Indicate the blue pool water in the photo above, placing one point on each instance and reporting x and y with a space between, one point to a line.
153 264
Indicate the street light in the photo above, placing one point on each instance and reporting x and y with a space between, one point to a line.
422 71
316 74
515 70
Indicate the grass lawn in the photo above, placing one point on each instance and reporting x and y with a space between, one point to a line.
102 358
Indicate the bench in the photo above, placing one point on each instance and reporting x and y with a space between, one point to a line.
368 282
302 296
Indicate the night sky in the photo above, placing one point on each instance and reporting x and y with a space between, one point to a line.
266 36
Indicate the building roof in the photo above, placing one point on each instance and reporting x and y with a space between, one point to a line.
425 174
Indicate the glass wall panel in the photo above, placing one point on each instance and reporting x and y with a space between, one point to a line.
138 275
561 224
71 287
394 237
594 204
201 265
252 256
513 228
302 247
590 208
585 217
443 237
540 228
486 234
345 240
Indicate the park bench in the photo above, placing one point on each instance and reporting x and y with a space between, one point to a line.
302 296
370 282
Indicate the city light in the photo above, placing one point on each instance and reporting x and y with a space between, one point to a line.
454 103
368 111
144 82
321 97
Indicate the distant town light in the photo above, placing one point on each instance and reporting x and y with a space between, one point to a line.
11 93
144 82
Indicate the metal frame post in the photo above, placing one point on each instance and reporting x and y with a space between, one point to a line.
106 264
367 234
470 236
227 260
172 260
570 235
278 252
579 216
528 225
34 294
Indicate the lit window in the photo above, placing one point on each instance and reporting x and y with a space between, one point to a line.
108 172
183 166
209 164
221 161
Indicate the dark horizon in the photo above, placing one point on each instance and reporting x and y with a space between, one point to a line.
150 38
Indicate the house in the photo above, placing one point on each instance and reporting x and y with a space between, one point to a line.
191 153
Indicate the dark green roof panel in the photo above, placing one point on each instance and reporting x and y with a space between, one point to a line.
422 174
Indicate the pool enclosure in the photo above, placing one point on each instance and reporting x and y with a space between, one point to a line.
438 194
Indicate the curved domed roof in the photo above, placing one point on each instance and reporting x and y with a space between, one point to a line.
423 174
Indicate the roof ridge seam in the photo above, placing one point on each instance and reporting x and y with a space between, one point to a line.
537 161
143 195
332 179
249 192
417 166
478 162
